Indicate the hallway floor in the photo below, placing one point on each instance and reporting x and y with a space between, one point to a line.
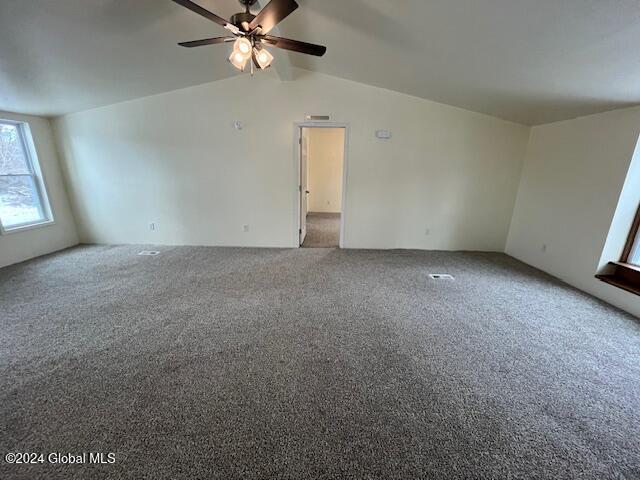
323 230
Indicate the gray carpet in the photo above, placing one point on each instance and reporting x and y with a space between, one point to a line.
247 363
323 230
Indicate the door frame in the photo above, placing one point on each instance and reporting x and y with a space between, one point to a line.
297 138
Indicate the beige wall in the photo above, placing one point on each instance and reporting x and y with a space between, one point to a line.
578 195
22 245
446 180
326 154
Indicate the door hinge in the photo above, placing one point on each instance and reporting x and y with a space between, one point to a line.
300 188
300 232
299 140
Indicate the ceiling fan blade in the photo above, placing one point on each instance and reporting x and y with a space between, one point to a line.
194 7
272 14
295 45
206 41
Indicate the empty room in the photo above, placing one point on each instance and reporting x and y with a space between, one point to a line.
319 239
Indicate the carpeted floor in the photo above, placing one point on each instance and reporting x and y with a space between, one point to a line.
323 230
248 363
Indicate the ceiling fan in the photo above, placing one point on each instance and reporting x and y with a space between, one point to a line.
251 33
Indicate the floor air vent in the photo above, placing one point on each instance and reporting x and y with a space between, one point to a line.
149 252
441 276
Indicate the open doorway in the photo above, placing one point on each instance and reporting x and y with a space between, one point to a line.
321 185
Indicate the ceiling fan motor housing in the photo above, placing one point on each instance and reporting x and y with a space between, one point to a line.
242 20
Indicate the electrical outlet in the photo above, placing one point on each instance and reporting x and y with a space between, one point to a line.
544 248
427 231
152 227
245 228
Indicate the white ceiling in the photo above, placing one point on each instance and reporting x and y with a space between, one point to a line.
530 61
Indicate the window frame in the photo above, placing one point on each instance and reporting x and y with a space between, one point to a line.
631 240
35 172
623 274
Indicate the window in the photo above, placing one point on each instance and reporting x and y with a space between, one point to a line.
23 199
625 274
631 252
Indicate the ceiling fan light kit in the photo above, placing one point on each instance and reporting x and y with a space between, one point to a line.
250 33
263 58
238 60
243 46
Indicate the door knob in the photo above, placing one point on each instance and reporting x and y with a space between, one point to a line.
307 192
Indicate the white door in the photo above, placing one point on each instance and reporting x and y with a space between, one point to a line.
304 182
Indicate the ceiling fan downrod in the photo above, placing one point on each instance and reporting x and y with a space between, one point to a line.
248 4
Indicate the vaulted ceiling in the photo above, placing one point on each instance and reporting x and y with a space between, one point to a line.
528 61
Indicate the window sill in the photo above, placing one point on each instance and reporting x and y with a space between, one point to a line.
622 275
24 228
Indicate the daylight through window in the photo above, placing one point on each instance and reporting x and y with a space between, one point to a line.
632 251
23 200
